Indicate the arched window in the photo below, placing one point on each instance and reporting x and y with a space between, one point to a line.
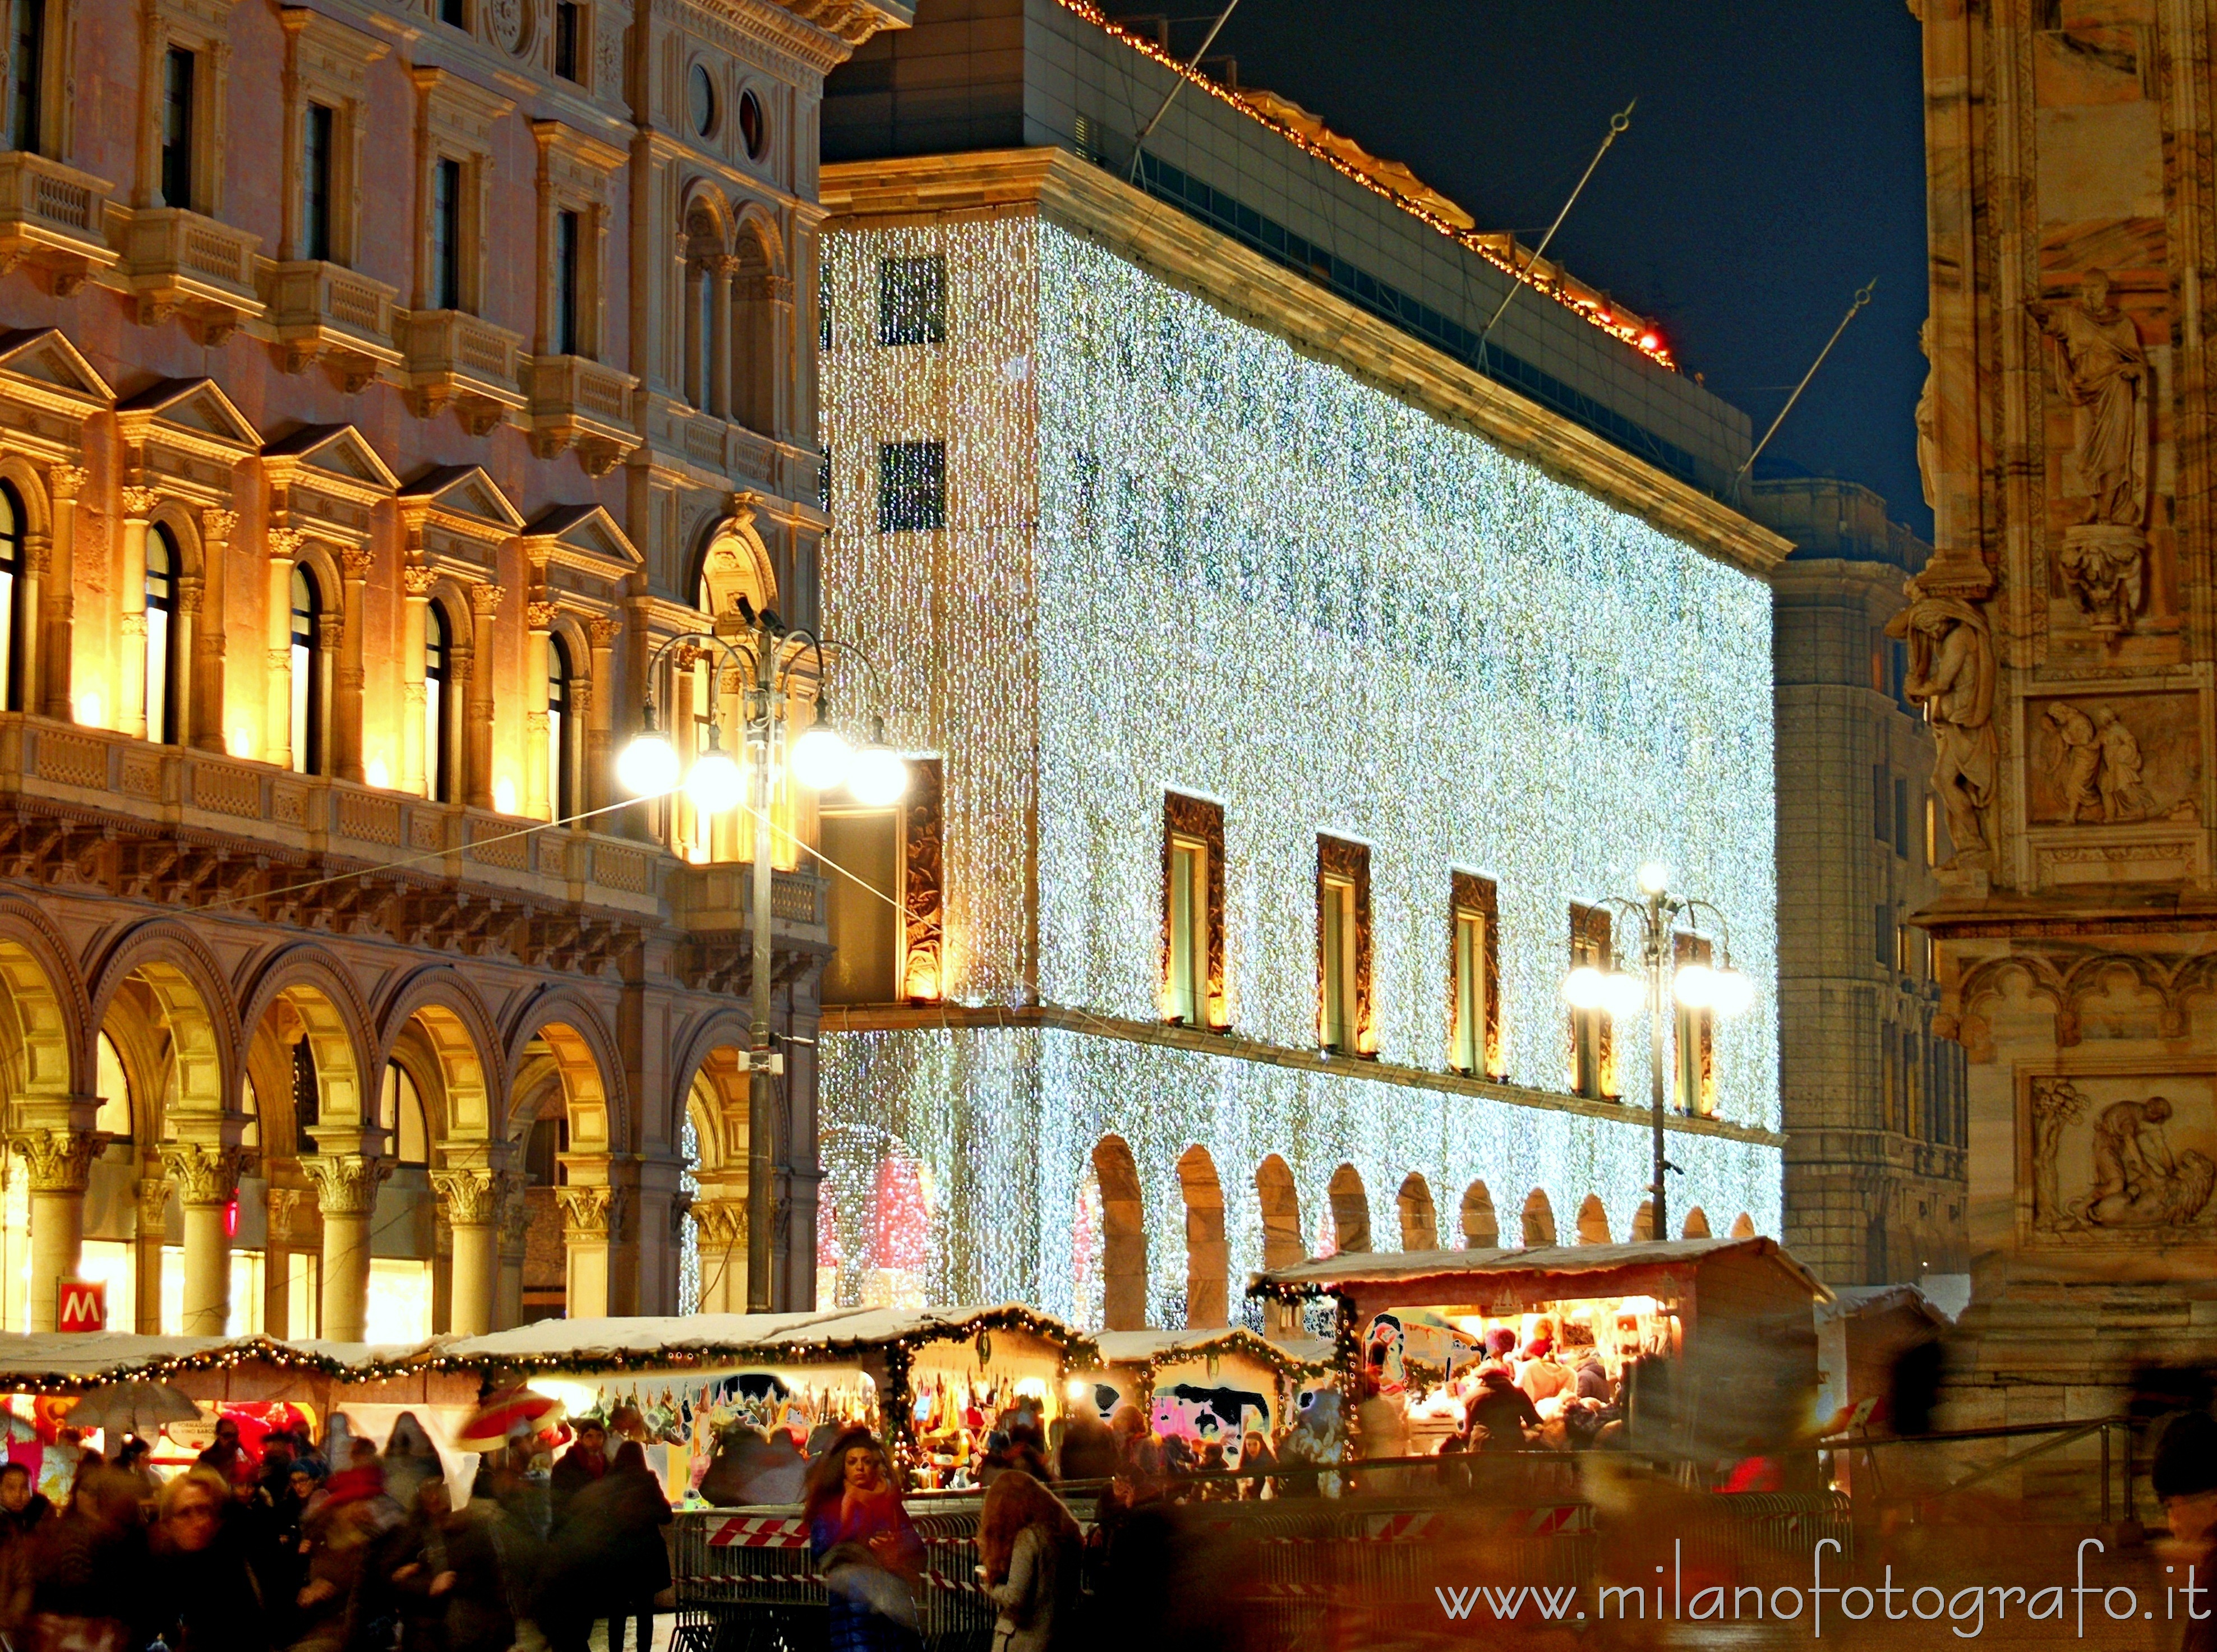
438 706
400 1116
115 1090
164 564
308 673
561 731
15 624
307 1097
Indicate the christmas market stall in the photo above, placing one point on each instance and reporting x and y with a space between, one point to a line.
1707 1345
727 1405
1203 1386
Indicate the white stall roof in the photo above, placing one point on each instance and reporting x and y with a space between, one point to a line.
1565 1263
1137 1348
757 1338
50 1358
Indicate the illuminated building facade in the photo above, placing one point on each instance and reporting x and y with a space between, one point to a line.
382 383
1290 693
1873 1101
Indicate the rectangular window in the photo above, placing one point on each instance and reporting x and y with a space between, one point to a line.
1192 983
566 39
446 234
1882 802
1592 1054
1931 831
26 64
1474 976
454 13
1882 926
1696 1089
1344 946
1901 816
565 283
177 74
912 300
1469 1045
865 905
317 155
912 486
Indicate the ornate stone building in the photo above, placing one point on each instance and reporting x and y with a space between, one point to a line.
382 383
1873 1102
2062 641
1300 678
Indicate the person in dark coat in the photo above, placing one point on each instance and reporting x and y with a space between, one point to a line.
24 1514
1502 1408
445 1574
866 1549
90 1568
1089 1449
586 1461
205 1590
637 1567
2184 1478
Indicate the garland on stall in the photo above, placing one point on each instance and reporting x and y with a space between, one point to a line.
255 1350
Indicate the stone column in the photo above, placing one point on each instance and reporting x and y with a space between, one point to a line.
690 334
60 1162
592 1222
131 682
514 1239
152 1234
206 1178
538 782
720 271
330 638
476 735
204 691
354 564
777 293
346 1175
720 1223
185 618
415 637
280 1205
58 609
472 1197
31 579
599 781
277 679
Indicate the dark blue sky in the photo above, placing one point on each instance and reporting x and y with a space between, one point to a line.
1775 163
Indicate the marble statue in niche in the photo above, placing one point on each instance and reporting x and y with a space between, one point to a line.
1951 675
2100 370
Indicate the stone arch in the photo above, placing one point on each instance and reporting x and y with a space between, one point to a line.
760 292
1742 1226
1539 1219
1643 1222
46 1014
457 1029
733 563
586 1058
1208 1260
333 1019
1481 1229
192 996
1351 1210
1124 1236
1420 1222
30 485
1281 1201
1593 1221
1697 1224
1973 1028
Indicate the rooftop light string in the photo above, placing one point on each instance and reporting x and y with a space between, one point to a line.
1619 124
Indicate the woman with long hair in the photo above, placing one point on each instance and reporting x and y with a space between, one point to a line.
1030 1548
866 1550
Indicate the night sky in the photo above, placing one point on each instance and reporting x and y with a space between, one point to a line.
1775 163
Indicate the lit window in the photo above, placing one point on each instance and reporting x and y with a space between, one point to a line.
15 624
162 570
400 1116
1188 931
399 1307
1469 1042
438 738
1590 1050
308 673
1337 923
114 1085
561 733
1693 1039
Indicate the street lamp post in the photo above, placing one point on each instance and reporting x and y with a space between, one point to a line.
766 651
1618 993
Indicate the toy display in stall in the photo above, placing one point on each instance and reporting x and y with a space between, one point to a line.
953 1416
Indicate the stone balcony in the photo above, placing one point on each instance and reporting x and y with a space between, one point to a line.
54 218
324 312
451 358
581 403
714 904
179 262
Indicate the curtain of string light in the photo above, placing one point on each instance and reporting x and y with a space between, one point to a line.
1178 554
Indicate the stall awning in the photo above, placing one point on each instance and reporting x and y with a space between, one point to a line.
54 1360
1139 1348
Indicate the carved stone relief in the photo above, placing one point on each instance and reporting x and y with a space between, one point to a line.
2113 760
2124 1158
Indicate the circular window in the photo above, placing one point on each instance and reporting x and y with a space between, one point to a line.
700 100
754 126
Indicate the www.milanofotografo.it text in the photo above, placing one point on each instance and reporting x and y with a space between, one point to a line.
1964 1608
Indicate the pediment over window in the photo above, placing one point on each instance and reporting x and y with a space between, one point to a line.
326 478
579 548
458 514
186 433
47 390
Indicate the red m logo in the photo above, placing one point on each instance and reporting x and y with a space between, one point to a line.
83 1305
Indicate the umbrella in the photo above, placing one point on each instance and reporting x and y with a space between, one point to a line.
133 1408
502 1414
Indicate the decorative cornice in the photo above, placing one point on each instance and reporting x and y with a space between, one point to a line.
1244 284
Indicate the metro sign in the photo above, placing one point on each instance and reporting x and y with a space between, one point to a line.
82 1305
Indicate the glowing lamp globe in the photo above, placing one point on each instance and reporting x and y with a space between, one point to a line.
821 758
1654 877
647 767
1623 994
716 783
1733 992
878 777
1695 985
1583 987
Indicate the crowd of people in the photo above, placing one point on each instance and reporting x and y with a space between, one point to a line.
340 1547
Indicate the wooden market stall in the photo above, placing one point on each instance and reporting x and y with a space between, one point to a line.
1714 1337
933 1382
1200 1385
